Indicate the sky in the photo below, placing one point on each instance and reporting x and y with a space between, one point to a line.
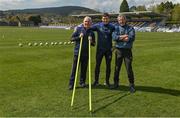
101 5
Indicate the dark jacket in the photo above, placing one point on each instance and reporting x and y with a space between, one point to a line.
75 37
121 30
104 32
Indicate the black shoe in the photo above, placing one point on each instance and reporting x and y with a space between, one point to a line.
95 84
71 87
132 88
83 85
116 86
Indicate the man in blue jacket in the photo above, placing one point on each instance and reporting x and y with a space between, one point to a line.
83 31
124 36
104 31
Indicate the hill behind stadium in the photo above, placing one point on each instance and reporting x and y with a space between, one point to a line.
64 11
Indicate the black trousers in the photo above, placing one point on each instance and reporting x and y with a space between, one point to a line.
126 55
83 65
99 56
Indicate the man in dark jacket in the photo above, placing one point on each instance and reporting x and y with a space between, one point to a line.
82 31
124 36
104 31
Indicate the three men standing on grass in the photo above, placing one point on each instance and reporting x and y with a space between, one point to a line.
123 35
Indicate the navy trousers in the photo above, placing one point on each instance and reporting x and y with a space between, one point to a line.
83 66
99 56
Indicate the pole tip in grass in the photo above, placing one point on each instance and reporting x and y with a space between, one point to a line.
91 113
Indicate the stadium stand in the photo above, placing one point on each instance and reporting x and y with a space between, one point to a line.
142 21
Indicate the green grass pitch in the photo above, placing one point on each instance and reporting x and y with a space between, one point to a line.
34 80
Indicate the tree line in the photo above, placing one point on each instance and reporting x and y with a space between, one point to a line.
167 8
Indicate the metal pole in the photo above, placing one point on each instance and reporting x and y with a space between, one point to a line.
77 68
90 100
